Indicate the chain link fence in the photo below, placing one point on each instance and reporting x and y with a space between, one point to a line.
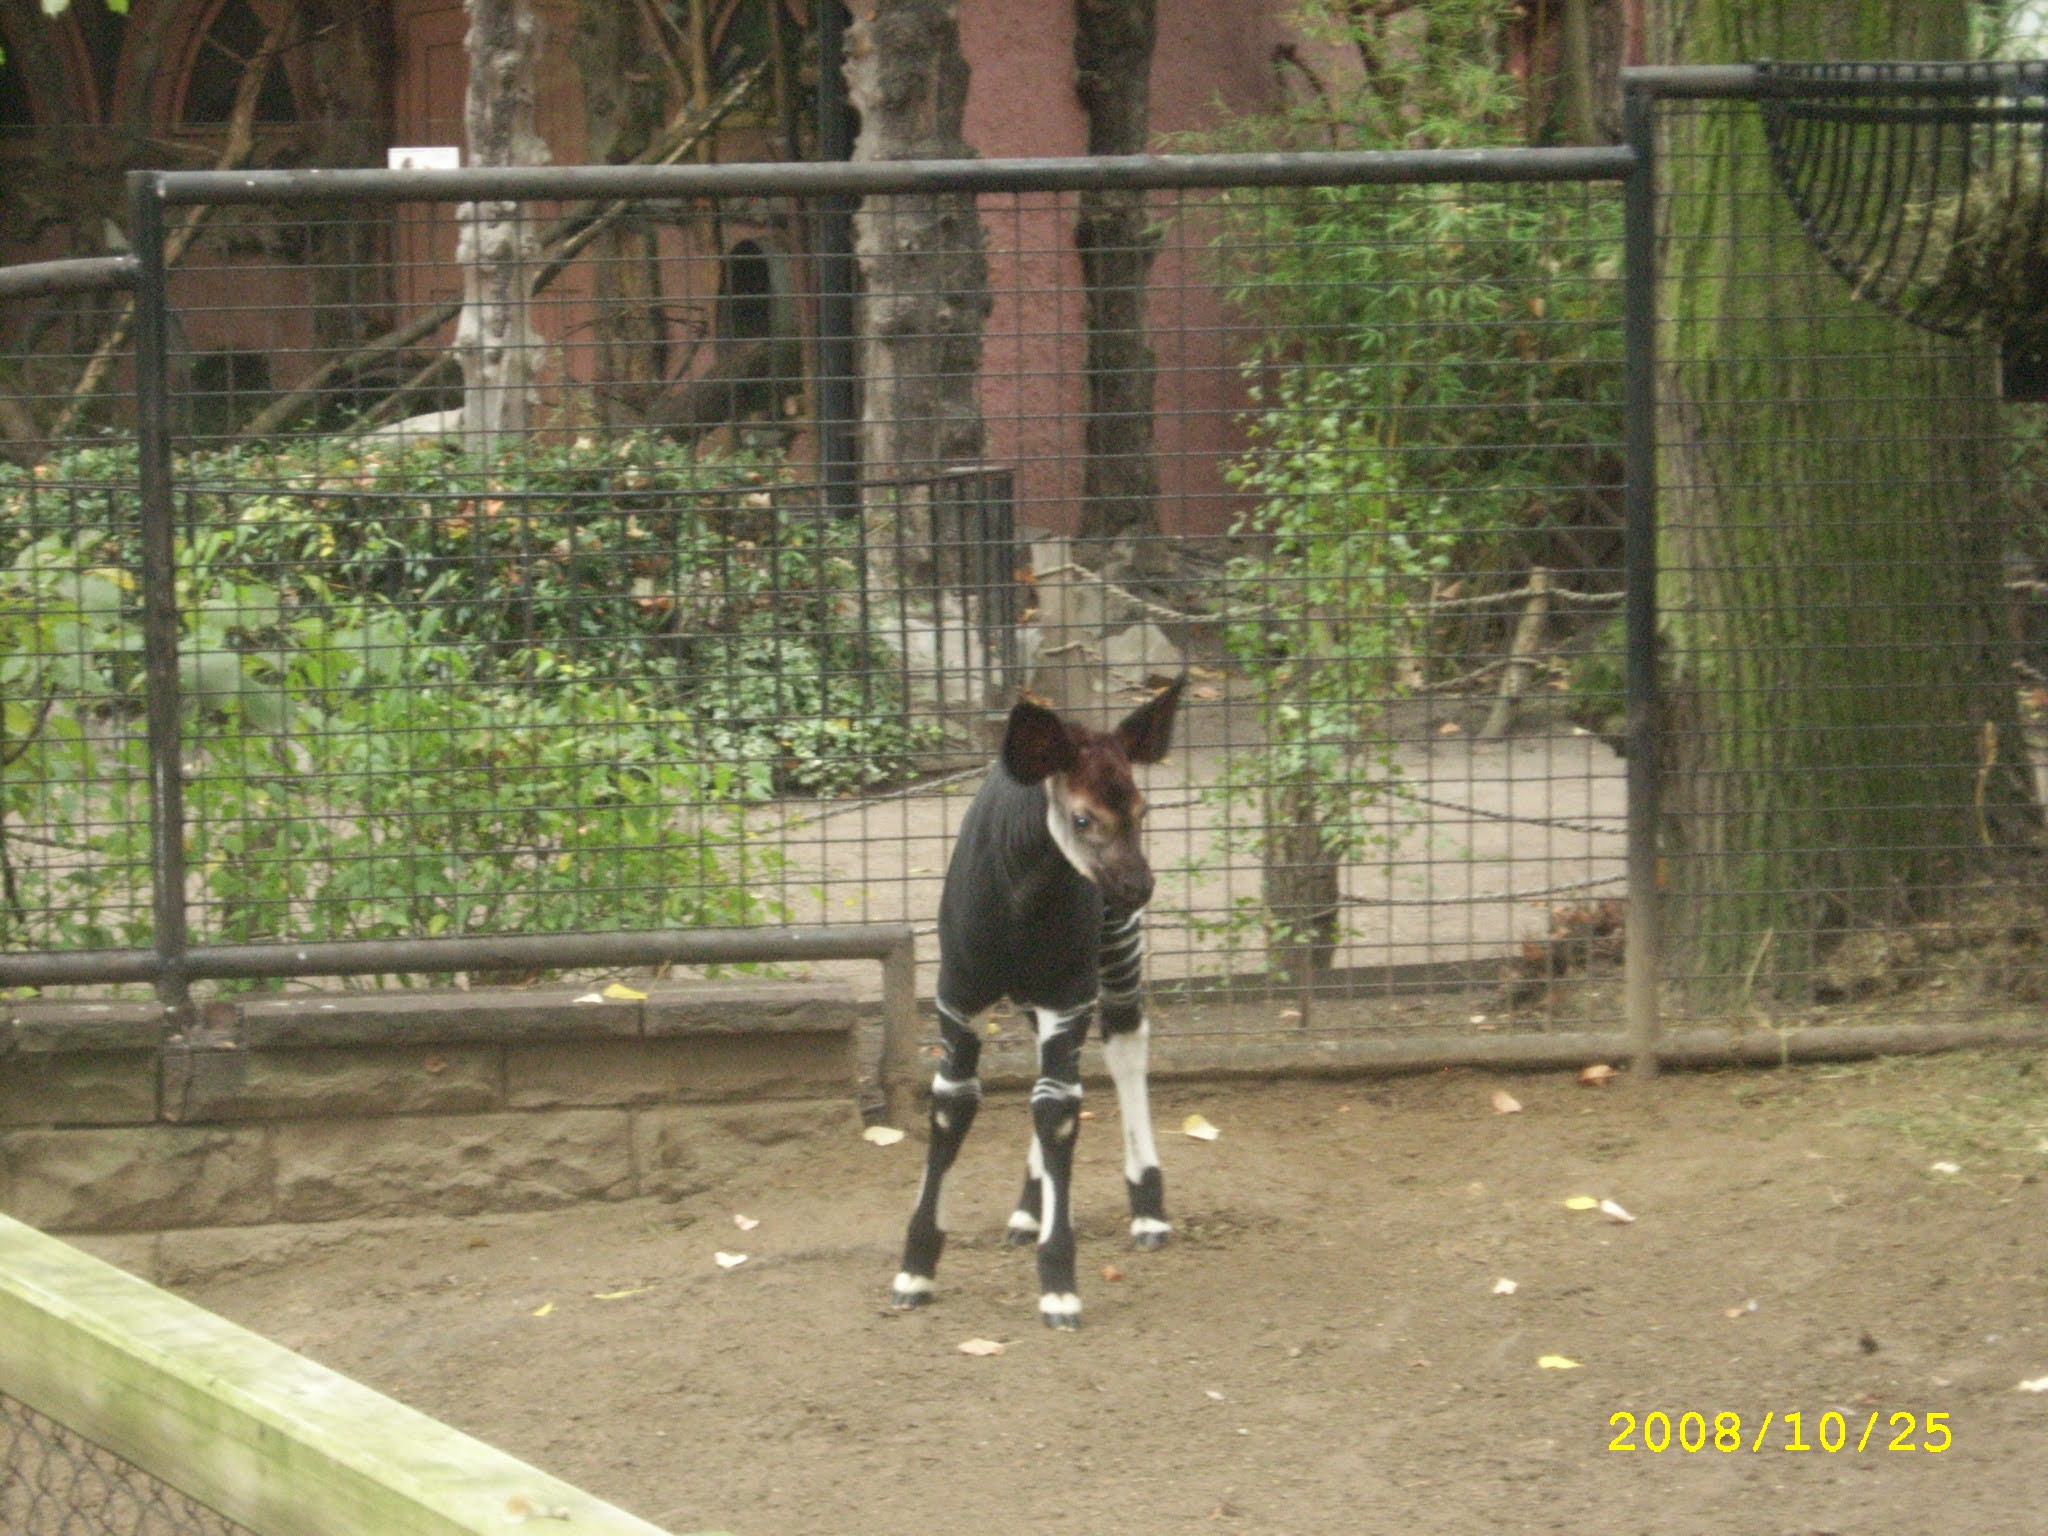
54 1482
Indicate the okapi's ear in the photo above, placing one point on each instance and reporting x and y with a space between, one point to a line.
1147 731
1037 744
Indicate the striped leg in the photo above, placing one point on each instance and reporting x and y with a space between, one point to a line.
1055 1122
1126 1037
956 1098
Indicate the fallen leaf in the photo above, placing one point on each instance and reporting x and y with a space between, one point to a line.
980 1347
1598 1075
638 1290
1111 1273
1613 1212
1212 1394
1742 1311
588 997
1557 1363
729 1260
1450 728
882 1135
1505 1103
2038 1384
744 1223
1582 1203
544 1309
1087 1114
1944 1166
1208 693
619 992
1505 1286
1199 1128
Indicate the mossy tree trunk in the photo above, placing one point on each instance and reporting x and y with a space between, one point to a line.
1841 730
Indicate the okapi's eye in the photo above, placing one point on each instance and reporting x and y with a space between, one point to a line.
1082 821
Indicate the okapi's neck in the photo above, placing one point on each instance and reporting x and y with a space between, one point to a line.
1035 872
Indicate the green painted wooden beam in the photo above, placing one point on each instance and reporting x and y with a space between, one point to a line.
266 1437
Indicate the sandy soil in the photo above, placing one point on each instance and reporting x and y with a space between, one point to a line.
1322 1348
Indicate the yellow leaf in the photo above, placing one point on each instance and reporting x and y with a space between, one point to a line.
1505 1103
882 1135
619 992
544 1309
980 1347
1557 1363
1199 1128
1582 1203
638 1290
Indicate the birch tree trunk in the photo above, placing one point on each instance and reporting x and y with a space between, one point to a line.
1840 710
923 266
499 248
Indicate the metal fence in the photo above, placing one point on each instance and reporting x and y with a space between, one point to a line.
1376 471
55 1482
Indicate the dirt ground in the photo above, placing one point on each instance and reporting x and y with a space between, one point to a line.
1322 1348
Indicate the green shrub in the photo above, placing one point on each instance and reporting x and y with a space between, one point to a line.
1434 377
428 694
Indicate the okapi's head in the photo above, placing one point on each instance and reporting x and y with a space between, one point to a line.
1094 808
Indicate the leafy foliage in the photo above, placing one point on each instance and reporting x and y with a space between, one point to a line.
430 694
1436 377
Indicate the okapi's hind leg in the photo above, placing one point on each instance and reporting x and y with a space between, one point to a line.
956 1099
1126 1050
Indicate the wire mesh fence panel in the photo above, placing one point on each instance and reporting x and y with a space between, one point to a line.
550 613
1852 775
642 661
54 1482
74 782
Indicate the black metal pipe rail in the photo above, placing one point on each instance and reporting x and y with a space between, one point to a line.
873 178
86 274
1700 82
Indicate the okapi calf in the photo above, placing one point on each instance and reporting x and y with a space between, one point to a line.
1044 904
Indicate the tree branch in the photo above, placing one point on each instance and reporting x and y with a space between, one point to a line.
562 245
241 139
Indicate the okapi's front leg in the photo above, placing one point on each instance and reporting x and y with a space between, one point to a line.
1055 1124
1126 1049
956 1098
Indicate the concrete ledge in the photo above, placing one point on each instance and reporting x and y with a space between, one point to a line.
329 1106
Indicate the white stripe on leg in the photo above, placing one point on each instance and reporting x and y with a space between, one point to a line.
1127 1056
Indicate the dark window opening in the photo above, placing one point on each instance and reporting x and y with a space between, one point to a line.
16 110
746 292
103 32
230 42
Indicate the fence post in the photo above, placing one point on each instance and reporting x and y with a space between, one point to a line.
899 1034
1645 745
159 596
